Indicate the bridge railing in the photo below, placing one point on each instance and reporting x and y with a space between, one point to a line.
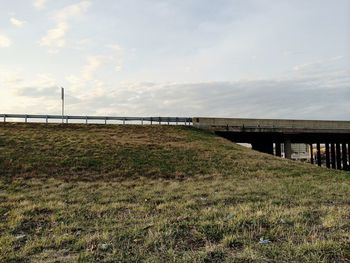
105 119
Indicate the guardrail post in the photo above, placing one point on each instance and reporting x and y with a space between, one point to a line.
141 121
47 119
4 117
105 121
168 121
86 120
66 119
176 119
26 119
159 121
151 120
123 121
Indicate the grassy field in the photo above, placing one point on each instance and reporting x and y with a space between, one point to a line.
77 193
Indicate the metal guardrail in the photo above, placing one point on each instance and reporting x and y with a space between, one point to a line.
66 118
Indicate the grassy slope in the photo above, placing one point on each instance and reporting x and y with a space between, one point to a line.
162 194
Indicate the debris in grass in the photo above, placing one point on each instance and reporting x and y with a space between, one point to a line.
148 226
264 241
20 237
104 246
230 216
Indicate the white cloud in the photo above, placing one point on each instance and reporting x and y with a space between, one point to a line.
20 94
39 4
16 22
306 97
55 37
317 64
93 63
45 80
79 83
5 41
82 44
72 11
118 56
10 78
42 85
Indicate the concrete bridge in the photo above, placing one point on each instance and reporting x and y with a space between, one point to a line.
267 135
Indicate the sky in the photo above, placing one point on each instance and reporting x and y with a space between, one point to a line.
224 58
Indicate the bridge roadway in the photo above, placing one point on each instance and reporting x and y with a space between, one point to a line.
264 134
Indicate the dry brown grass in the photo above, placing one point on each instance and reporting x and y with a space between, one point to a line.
162 194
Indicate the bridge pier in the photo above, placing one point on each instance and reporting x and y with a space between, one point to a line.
328 160
344 156
288 149
278 149
349 155
334 166
319 161
338 155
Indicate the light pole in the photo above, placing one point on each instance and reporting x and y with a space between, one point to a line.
62 98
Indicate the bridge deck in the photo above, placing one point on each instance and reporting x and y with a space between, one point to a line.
271 125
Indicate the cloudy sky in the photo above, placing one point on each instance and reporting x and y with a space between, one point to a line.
228 58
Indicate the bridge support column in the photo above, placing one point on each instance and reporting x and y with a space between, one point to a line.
265 147
349 155
334 166
345 156
278 149
288 149
328 161
319 161
337 147
312 153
